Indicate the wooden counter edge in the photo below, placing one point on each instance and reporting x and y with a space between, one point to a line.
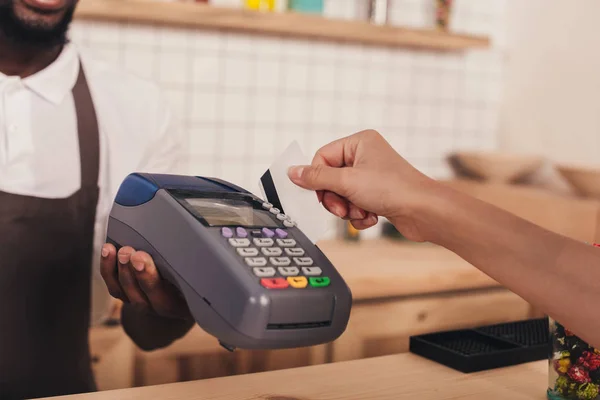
403 376
194 15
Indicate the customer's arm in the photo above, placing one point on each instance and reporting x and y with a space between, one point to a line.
362 176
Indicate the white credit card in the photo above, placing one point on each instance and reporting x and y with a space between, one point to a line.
300 204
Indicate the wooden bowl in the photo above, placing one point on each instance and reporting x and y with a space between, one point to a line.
584 180
495 167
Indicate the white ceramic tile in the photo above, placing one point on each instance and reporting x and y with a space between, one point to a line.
205 106
177 100
446 117
293 110
202 142
171 39
108 54
140 62
349 52
372 115
265 110
206 41
324 52
206 70
265 138
236 108
322 78
103 33
322 110
173 68
296 48
238 43
396 115
267 74
268 47
376 82
201 167
78 31
238 72
233 171
295 77
400 84
347 112
137 36
350 80
234 141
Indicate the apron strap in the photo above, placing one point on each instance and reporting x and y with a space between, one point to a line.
87 130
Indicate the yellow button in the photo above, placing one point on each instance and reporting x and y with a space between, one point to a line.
297 282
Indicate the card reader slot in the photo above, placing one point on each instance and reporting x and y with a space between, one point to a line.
302 325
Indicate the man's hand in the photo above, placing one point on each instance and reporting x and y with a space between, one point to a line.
132 277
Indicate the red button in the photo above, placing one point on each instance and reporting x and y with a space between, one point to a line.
274 283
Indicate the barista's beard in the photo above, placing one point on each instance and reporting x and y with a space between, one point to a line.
31 33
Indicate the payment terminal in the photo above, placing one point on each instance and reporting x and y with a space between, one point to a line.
250 277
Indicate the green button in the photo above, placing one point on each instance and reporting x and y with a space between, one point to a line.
321 281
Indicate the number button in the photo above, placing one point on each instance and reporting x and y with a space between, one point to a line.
263 242
256 261
241 232
298 282
264 272
289 224
271 251
288 271
226 232
302 261
280 261
274 283
268 233
311 271
298 252
239 242
248 251
286 242
274 210
319 282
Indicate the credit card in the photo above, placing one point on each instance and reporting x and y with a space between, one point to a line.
300 204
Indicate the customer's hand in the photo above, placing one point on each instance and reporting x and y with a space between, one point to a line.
361 176
132 277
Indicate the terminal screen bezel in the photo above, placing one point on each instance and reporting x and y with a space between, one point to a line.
268 219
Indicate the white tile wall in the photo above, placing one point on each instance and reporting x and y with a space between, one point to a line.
243 98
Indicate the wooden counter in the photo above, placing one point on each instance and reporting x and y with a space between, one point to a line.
385 268
397 377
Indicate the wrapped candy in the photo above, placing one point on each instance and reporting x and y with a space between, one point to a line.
578 374
587 391
562 385
589 361
562 366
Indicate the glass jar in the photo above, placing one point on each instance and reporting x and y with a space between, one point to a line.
574 366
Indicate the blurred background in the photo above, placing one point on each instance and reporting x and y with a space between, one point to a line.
500 98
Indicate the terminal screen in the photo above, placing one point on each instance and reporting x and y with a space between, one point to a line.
230 212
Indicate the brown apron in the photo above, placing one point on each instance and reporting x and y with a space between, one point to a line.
46 248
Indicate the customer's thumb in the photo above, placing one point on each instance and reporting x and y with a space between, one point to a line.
318 177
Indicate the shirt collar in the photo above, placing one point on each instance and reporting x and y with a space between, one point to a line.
55 81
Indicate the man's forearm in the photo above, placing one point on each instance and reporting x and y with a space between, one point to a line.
151 331
559 275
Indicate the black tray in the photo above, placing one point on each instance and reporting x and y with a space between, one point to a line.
486 347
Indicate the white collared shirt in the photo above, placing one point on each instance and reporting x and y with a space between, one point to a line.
39 148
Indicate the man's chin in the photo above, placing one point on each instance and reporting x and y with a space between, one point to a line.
36 22
30 13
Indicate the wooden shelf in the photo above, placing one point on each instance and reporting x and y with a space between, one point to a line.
193 15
